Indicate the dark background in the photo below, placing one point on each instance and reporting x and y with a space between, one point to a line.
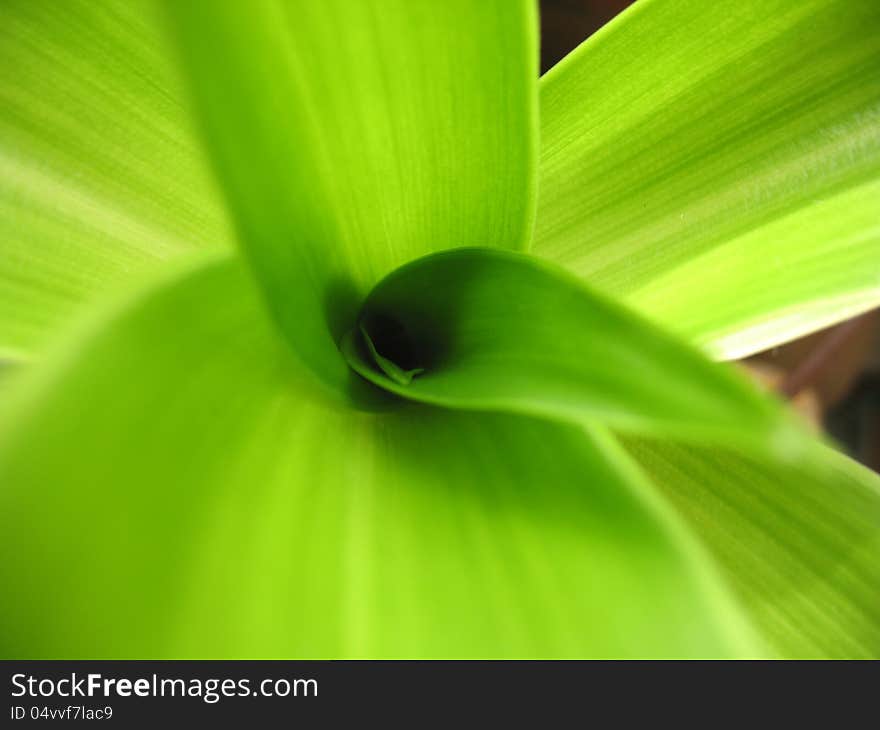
832 377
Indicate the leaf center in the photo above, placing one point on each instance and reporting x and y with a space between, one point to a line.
388 366
391 348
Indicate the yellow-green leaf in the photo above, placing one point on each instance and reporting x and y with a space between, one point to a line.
351 137
184 492
717 164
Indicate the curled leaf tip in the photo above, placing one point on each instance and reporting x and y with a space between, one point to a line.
398 374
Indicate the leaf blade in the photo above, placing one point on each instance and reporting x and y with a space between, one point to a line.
798 542
496 330
688 139
101 176
365 134
236 513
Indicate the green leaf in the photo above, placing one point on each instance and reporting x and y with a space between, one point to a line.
351 137
189 494
497 330
99 174
800 543
718 165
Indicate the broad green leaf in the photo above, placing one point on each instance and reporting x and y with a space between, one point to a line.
351 137
184 493
9 370
718 165
800 543
99 174
487 329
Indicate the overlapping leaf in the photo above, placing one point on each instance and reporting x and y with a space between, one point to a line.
485 329
353 137
800 542
188 496
796 529
718 165
100 174
172 469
